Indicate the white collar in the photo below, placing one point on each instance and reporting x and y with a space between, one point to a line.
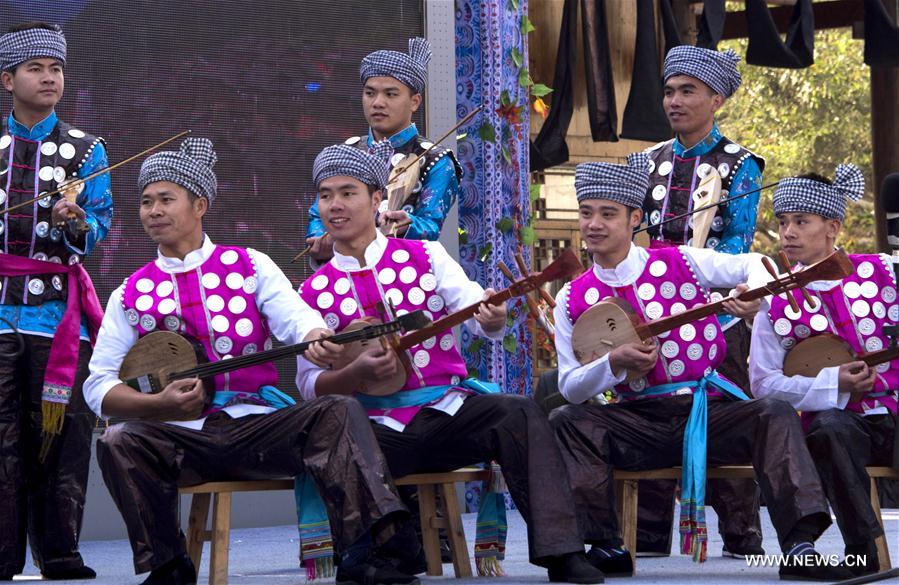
373 254
627 271
191 261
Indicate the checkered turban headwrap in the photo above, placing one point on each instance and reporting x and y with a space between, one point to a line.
345 160
798 195
411 69
625 184
716 69
190 167
34 43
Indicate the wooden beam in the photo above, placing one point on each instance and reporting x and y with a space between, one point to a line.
831 14
884 131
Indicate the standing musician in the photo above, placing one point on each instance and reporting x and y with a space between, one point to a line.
659 419
698 82
848 411
228 300
392 84
438 420
46 294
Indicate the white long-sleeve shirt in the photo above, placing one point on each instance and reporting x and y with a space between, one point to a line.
288 316
452 284
579 383
804 393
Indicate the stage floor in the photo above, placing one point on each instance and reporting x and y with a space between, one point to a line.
268 556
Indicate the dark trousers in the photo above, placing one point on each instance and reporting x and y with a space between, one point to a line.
143 464
736 501
842 443
511 430
648 434
43 500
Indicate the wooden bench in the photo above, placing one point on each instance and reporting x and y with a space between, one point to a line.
626 499
219 534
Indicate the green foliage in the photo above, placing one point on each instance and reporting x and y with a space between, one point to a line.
475 346
540 90
528 236
510 344
486 132
807 120
516 56
505 225
524 78
526 25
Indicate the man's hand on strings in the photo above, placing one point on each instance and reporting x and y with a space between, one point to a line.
492 318
741 309
322 353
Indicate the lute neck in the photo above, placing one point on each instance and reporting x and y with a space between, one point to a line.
659 326
461 316
223 366
875 358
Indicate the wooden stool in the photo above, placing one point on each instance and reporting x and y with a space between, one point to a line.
219 494
428 484
626 499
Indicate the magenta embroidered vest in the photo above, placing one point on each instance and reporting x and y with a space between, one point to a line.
214 305
856 310
667 286
403 279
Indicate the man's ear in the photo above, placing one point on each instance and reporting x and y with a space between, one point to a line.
6 78
717 102
201 206
376 198
834 226
636 218
416 101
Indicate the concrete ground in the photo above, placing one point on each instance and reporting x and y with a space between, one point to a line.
268 556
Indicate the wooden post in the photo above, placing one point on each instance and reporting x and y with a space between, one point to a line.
884 130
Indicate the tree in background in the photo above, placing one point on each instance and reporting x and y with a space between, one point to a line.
808 120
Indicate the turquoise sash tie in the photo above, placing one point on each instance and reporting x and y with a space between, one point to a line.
693 531
423 396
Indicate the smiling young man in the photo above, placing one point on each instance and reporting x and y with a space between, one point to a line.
45 424
392 84
439 420
229 301
698 83
676 410
848 411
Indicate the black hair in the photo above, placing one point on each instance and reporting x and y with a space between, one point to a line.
30 25
816 177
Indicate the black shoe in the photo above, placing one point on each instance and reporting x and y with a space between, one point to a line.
409 564
573 568
178 571
864 559
82 572
374 571
742 552
6 576
616 562
808 565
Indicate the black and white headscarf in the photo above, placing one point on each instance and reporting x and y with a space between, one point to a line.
411 69
799 195
190 167
716 69
625 184
344 160
34 43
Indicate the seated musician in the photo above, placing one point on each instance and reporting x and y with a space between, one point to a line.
677 410
848 410
392 87
227 300
438 420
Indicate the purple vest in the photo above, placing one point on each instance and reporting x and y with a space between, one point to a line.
667 286
213 305
404 279
855 310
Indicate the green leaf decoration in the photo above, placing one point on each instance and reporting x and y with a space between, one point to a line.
528 236
505 225
516 56
463 237
524 79
504 98
507 156
540 90
510 344
475 345
534 192
526 25
486 132
513 5
485 252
